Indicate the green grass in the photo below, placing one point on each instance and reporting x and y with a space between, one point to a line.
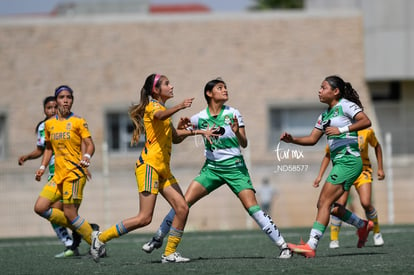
220 252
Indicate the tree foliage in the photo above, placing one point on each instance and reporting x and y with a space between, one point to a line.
277 4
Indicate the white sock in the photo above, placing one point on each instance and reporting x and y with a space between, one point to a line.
63 235
269 227
314 237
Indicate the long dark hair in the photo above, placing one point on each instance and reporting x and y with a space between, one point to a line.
345 89
210 85
45 101
136 112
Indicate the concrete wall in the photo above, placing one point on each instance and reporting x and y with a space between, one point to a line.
265 58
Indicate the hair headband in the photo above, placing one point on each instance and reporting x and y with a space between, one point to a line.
63 88
156 78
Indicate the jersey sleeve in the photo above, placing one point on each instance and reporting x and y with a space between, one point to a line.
239 118
84 130
350 109
318 124
41 135
372 139
194 122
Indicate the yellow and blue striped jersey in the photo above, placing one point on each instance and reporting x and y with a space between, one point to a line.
66 137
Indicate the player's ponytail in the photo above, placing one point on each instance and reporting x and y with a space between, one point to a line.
136 111
345 89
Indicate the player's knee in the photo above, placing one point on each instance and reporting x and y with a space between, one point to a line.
182 210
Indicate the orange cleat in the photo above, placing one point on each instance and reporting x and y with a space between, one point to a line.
302 249
363 233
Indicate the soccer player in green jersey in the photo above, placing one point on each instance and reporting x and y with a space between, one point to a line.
340 122
224 165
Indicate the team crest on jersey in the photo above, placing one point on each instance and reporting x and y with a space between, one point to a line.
156 184
85 125
227 120
336 112
68 126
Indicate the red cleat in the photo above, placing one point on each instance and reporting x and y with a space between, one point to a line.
363 233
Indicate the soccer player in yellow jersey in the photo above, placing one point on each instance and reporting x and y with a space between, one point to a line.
363 185
153 173
66 135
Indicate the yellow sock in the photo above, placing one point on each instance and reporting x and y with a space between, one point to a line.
83 228
58 217
114 231
174 239
373 216
335 228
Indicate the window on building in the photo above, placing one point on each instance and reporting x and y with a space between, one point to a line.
119 132
297 120
2 136
393 114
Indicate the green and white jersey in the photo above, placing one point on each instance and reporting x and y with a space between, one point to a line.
226 146
342 114
42 143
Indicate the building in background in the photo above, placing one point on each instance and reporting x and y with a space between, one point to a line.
273 63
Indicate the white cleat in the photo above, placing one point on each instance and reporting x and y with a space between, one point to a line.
154 243
174 258
97 247
285 253
378 241
334 244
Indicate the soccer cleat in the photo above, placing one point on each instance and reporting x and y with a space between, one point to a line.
363 233
334 244
68 253
378 241
154 243
174 258
302 249
94 226
97 247
285 253
77 238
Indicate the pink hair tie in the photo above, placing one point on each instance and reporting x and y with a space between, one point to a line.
156 78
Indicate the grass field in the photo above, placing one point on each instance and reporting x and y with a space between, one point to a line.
220 252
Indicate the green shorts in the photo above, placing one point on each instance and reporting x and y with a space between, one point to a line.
234 173
345 170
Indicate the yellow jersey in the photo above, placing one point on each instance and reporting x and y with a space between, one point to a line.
66 136
158 139
365 137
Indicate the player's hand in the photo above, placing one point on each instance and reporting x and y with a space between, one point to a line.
85 161
381 174
209 132
39 174
21 160
234 124
187 103
332 131
184 123
316 182
286 137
